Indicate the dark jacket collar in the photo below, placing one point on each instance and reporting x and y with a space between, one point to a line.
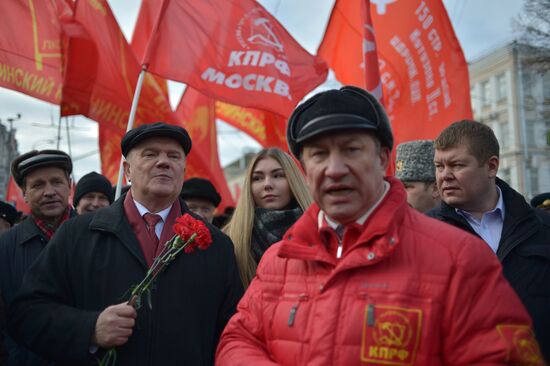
519 219
29 230
113 219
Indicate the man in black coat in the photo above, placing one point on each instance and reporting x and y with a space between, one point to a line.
44 178
73 306
474 199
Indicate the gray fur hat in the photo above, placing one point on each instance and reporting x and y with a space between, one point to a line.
414 161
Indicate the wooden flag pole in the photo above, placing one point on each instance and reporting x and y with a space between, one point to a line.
131 118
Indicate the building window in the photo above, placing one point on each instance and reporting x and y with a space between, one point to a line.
486 93
505 138
527 84
534 179
501 87
546 85
473 96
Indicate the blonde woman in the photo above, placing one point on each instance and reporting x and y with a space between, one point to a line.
273 197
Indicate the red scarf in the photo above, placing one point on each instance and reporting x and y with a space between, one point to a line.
49 229
139 227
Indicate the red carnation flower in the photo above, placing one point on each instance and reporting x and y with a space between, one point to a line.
186 227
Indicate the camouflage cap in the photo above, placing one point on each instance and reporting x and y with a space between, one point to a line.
414 161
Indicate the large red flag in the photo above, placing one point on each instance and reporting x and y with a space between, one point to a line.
267 128
109 100
197 113
31 47
422 67
148 12
117 71
232 50
111 97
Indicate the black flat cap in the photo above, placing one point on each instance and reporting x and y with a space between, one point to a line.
541 200
9 213
200 188
157 129
348 108
26 163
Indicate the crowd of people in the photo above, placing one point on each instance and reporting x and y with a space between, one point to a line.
325 260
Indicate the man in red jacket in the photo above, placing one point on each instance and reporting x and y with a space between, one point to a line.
362 278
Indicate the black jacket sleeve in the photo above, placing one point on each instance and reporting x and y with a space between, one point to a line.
42 316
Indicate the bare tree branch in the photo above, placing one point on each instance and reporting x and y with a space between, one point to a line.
533 23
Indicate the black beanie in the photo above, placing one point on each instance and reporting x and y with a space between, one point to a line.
200 188
93 182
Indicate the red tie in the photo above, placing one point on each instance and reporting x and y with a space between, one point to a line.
152 220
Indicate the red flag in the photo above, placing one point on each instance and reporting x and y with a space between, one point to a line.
148 12
15 195
197 112
110 98
115 83
109 150
117 71
267 128
31 47
422 67
232 50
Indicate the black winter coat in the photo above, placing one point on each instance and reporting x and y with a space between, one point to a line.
3 352
90 264
524 251
19 248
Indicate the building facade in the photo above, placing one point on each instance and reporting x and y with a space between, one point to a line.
513 97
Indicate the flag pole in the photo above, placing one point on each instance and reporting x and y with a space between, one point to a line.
131 118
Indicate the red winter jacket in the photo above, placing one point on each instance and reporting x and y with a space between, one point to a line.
410 291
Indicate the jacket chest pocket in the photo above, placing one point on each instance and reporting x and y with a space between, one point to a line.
290 317
392 328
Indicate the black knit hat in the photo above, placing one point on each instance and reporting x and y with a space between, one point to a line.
93 182
200 188
345 109
157 129
9 213
26 163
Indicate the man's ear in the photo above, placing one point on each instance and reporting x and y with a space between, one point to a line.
385 156
492 166
126 167
435 191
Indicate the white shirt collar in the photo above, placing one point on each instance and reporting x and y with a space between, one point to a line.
499 208
361 220
143 210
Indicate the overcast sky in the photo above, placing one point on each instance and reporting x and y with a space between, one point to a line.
480 25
